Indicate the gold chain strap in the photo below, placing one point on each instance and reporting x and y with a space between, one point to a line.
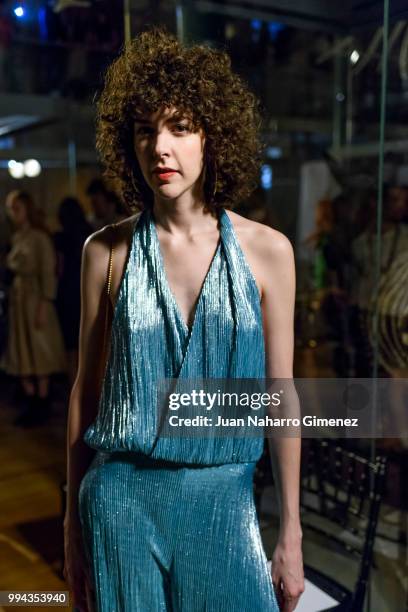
108 291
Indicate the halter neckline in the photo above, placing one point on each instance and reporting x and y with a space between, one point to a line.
164 278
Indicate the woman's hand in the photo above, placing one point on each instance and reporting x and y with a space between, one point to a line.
41 314
76 571
287 572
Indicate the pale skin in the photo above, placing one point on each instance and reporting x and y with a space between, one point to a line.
188 239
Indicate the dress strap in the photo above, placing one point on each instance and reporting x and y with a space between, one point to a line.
236 258
108 286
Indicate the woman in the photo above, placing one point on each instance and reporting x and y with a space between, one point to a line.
35 346
391 299
157 523
69 243
329 273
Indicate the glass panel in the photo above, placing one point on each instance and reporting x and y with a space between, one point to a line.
58 48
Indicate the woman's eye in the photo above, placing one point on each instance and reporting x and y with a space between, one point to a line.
181 127
144 130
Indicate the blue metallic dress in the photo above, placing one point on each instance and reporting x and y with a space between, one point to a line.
169 524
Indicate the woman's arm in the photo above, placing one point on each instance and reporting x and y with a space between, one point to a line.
278 301
278 315
85 392
47 276
47 266
83 408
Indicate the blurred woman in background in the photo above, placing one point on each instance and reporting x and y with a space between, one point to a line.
35 346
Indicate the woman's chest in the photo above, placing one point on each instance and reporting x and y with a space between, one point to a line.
187 269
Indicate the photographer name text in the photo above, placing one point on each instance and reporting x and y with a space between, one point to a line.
256 421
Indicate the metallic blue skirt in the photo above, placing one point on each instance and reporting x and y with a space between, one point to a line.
161 536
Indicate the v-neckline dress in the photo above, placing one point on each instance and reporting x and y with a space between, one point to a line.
162 275
169 523
151 343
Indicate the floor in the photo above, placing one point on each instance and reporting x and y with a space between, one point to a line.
32 469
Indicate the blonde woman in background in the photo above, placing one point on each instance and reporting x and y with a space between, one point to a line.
35 346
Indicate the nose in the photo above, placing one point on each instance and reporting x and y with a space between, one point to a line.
161 143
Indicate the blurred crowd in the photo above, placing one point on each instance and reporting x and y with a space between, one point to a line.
40 291
363 304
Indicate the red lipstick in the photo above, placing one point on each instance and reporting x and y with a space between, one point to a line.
164 172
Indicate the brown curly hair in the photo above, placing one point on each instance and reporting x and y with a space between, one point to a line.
155 71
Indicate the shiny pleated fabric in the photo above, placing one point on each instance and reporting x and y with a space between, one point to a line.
169 524
163 537
151 342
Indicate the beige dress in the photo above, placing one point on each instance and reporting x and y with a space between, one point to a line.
33 351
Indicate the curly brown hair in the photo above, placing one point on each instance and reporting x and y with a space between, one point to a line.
155 71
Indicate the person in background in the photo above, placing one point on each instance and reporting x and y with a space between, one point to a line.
394 250
329 272
35 347
105 205
69 243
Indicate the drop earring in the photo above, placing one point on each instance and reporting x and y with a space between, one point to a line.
215 182
132 179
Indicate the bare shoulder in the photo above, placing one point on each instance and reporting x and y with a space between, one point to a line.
261 242
123 230
268 252
98 244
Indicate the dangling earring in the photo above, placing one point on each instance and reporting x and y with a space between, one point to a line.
215 182
132 180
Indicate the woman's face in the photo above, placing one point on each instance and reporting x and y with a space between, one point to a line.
17 211
169 153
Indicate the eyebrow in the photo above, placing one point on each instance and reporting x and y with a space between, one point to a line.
173 118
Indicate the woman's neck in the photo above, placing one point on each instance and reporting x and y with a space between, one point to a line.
186 218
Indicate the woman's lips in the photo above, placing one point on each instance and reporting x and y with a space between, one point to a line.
164 176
